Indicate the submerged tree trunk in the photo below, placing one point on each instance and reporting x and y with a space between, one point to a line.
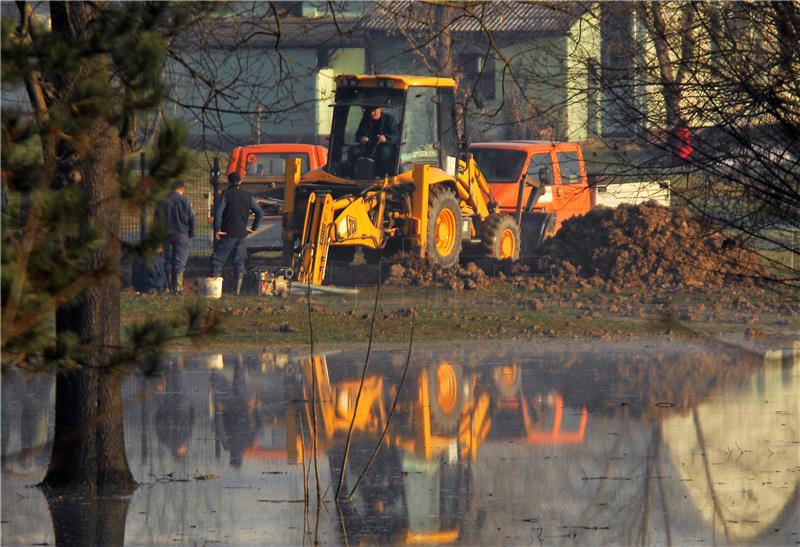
89 447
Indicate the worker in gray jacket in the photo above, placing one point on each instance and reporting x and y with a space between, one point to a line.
176 217
230 228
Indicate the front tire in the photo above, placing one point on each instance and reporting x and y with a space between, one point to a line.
500 237
443 245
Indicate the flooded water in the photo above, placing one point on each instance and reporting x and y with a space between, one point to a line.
600 444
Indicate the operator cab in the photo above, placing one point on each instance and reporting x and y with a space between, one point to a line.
422 110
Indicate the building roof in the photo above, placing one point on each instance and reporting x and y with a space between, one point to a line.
494 16
390 17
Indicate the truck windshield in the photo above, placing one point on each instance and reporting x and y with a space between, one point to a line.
499 165
272 164
349 109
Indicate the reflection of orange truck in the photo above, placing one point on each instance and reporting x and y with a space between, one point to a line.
544 416
261 167
542 183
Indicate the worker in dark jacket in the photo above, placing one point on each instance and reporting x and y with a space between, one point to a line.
379 134
230 228
176 217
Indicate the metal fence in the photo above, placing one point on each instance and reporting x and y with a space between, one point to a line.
137 220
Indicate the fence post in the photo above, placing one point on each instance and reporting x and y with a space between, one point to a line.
143 217
215 184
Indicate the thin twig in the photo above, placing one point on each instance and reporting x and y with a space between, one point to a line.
391 410
313 389
360 388
306 499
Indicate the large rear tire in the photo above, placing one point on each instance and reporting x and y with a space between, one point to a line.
446 397
443 246
500 237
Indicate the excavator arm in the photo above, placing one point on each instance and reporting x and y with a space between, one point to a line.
473 189
343 221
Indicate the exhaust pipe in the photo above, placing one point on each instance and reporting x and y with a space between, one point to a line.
298 288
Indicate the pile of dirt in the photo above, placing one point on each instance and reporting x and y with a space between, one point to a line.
419 272
628 247
648 244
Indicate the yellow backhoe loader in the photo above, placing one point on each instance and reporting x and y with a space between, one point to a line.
421 192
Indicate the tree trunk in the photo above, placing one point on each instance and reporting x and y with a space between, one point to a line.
89 447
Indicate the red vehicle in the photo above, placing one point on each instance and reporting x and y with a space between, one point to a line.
257 161
542 183
262 169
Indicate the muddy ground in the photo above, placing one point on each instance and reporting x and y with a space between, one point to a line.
629 271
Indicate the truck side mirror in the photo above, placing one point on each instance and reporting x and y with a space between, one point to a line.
546 175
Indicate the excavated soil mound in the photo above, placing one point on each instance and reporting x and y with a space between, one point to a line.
648 244
631 246
416 271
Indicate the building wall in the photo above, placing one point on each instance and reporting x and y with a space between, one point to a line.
543 93
342 61
531 96
272 97
633 90
534 90
582 57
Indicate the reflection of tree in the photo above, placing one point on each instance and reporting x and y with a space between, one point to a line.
680 373
235 419
89 521
25 399
734 451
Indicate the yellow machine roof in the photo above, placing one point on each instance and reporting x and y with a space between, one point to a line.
396 81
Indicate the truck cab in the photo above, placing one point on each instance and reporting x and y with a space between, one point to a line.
261 167
536 177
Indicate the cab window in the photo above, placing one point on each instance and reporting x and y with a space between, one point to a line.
420 128
537 163
499 165
272 164
569 167
447 127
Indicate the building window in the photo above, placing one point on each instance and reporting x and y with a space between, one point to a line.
478 78
593 99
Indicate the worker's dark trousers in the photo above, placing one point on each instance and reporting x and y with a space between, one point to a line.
222 249
383 160
176 253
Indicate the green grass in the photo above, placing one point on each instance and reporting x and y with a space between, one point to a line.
501 312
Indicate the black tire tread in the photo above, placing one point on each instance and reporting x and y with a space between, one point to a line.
437 194
490 231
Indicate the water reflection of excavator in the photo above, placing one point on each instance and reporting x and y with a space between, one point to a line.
439 411
413 491
420 479
417 488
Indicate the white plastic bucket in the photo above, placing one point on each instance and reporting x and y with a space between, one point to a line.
210 287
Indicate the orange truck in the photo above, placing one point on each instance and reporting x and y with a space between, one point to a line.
261 167
540 183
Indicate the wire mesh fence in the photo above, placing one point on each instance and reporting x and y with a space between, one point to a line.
137 220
